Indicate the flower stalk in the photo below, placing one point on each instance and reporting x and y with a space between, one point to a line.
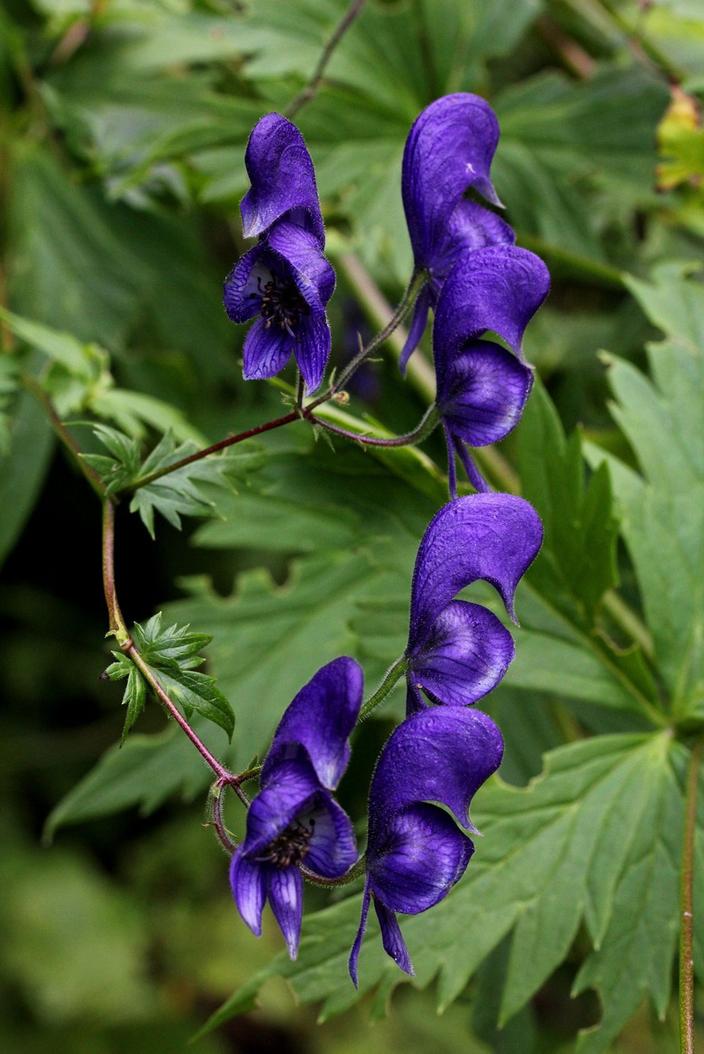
686 957
391 677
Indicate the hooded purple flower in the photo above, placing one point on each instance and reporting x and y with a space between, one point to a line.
449 151
415 851
285 279
481 387
294 819
457 651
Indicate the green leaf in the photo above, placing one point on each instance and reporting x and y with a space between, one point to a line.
172 654
145 772
23 466
573 654
594 841
135 695
196 489
663 509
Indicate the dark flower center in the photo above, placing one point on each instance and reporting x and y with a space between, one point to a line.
281 304
292 845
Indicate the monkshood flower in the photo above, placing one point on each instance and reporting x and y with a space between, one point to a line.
294 820
482 388
415 851
449 151
458 651
285 279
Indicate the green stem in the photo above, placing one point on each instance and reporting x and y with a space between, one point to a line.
686 979
357 869
391 677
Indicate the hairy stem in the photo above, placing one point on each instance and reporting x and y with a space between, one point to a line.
308 93
119 630
116 622
391 677
217 819
173 711
418 280
222 444
686 986
426 425
64 436
357 869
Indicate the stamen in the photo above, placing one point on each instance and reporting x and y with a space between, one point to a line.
291 846
281 304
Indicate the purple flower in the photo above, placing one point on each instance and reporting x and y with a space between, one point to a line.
294 819
285 279
283 180
481 387
449 151
457 651
415 851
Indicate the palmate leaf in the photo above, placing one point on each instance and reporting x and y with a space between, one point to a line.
192 490
663 509
593 842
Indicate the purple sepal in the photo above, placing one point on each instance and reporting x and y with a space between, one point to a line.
288 282
466 655
415 851
283 180
498 288
320 719
294 820
494 537
449 150
482 391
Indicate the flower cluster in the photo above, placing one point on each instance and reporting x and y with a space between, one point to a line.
477 282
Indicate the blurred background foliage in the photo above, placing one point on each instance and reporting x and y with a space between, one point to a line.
122 138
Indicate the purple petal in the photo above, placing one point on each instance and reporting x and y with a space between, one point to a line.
392 938
498 288
267 348
466 655
354 953
289 788
285 891
482 392
494 537
301 256
470 227
417 329
312 349
414 700
449 149
420 856
242 295
333 847
282 177
320 719
473 474
247 880
443 754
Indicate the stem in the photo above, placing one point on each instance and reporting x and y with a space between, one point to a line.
69 443
426 425
687 905
392 675
220 771
308 93
117 623
353 872
216 817
418 280
119 629
222 444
